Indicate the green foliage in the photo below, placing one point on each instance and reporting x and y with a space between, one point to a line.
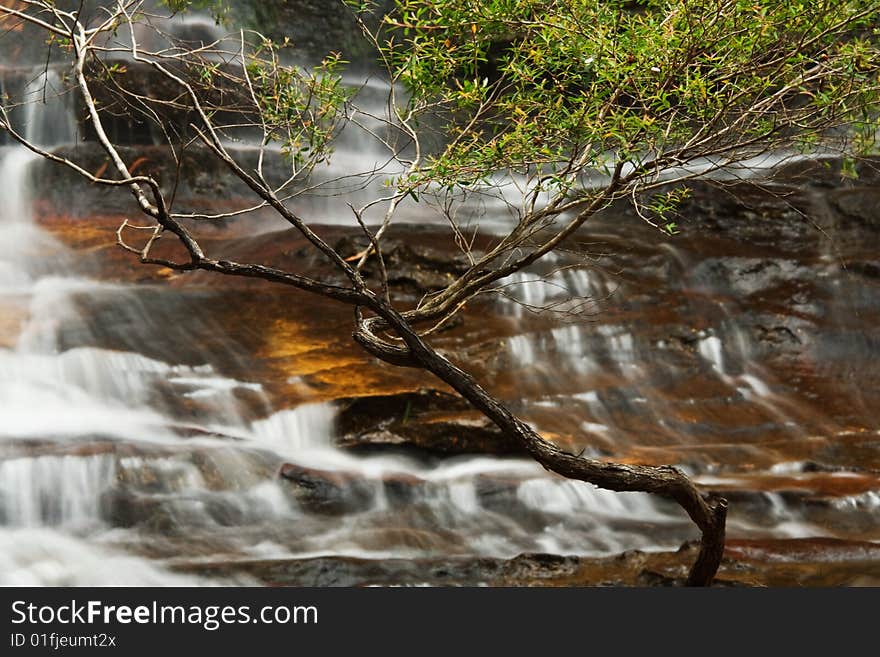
361 6
559 89
219 8
300 109
558 85
183 5
664 207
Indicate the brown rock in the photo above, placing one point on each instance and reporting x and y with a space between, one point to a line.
327 492
428 420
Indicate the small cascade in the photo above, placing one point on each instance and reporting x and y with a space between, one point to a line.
45 557
190 30
14 220
582 348
48 111
195 30
571 343
563 291
750 382
25 250
528 292
15 170
523 351
710 349
54 491
304 428
564 497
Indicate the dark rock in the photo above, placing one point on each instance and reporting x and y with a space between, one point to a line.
829 172
803 549
761 562
523 570
331 492
413 266
429 420
861 205
121 507
202 183
870 269
315 27
126 123
402 489
777 335
328 492
749 276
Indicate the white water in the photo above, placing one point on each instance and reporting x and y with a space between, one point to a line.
48 115
54 490
622 374
43 557
566 291
89 443
85 444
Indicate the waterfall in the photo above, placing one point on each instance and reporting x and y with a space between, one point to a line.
15 174
54 490
306 427
134 422
48 116
41 557
98 442
19 236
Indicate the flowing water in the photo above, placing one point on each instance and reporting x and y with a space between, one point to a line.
88 449
119 467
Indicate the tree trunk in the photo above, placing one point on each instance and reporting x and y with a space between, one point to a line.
708 512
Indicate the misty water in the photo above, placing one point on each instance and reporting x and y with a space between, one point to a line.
78 431
94 438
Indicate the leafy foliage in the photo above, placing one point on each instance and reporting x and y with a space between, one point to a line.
301 109
559 88
561 85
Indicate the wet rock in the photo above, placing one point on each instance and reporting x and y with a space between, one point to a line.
829 172
499 493
13 314
423 269
748 276
328 492
127 124
180 515
202 183
777 335
861 205
524 570
428 420
125 508
789 375
233 469
402 489
791 562
868 269
315 27
413 266
332 492
803 549
85 446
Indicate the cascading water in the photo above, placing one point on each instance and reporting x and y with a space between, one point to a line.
120 459
48 116
93 459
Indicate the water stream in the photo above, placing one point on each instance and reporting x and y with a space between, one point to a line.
93 463
116 467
